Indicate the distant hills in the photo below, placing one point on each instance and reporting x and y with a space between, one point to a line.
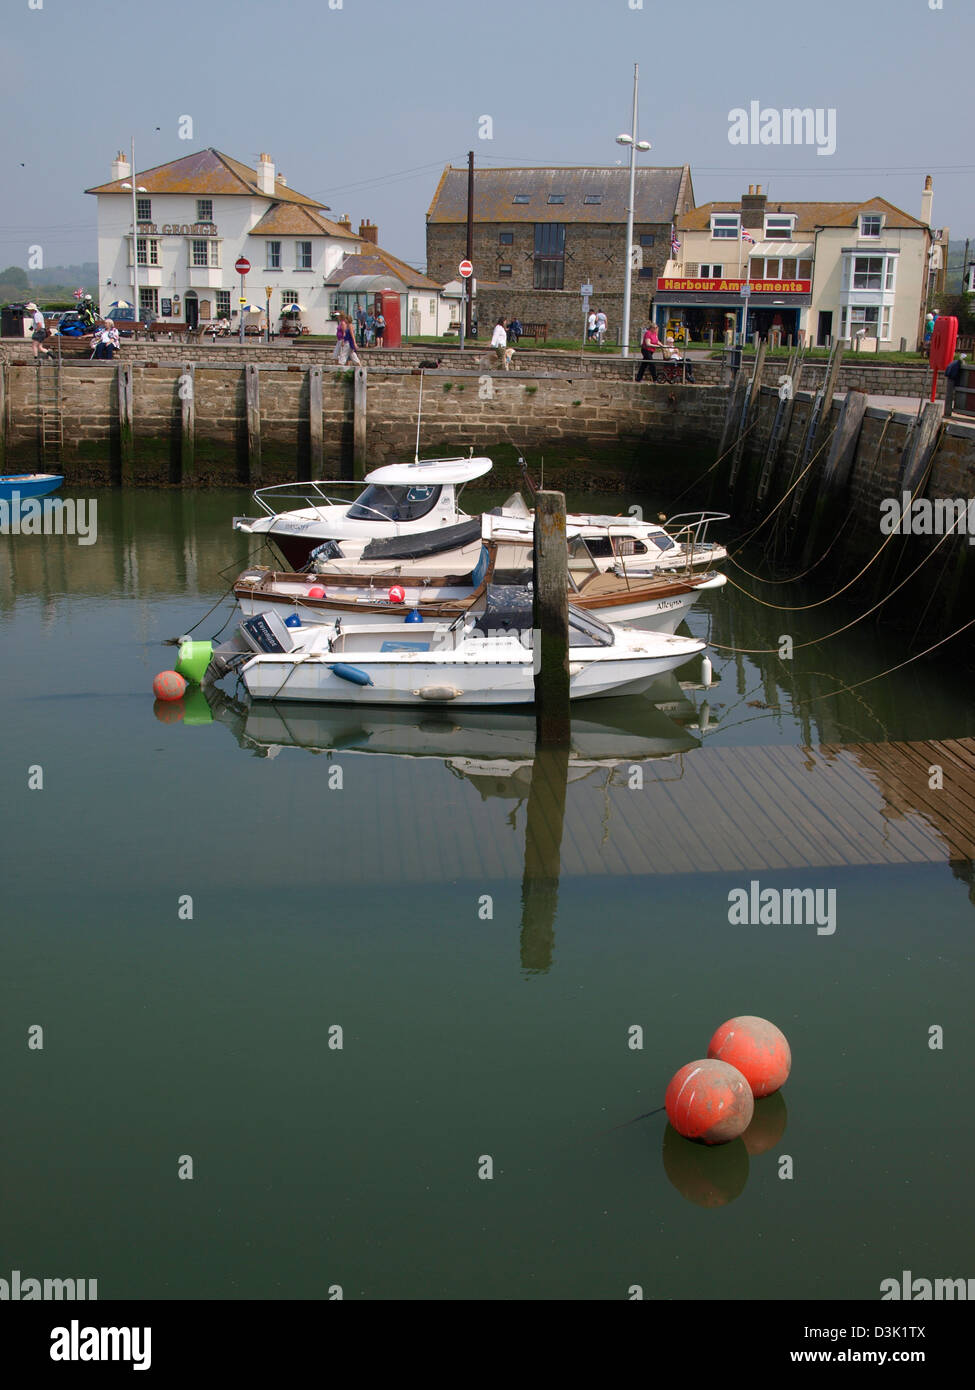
55 285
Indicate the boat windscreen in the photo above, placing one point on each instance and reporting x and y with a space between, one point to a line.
381 503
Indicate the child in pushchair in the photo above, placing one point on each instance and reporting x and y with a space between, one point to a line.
675 367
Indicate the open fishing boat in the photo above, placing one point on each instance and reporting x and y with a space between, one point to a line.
483 657
18 487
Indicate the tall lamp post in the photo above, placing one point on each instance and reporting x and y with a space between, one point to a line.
135 245
643 146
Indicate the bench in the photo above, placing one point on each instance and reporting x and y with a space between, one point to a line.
535 331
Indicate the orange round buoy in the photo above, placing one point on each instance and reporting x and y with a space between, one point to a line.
169 685
316 591
757 1048
710 1101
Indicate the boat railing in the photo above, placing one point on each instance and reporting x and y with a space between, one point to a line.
691 533
310 493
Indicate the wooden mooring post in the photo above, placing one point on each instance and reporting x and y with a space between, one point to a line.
550 619
315 421
126 438
187 437
359 423
252 392
3 416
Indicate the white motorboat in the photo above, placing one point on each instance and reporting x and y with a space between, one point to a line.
406 500
483 657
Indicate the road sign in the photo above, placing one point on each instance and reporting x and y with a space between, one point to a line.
586 291
242 300
745 290
242 266
466 270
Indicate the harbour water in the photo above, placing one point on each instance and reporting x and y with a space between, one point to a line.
350 967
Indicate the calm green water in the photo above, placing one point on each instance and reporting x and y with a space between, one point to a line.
361 906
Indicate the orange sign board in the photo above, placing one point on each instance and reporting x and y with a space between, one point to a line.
734 286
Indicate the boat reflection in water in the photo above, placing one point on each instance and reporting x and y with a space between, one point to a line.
493 750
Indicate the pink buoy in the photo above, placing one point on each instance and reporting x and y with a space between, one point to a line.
316 591
709 1101
169 685
757 1048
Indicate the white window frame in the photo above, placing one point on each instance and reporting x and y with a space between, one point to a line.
267 255
288 297
772 232
221 298
731 232
212 261
200 203
311 254
151 245
151 293
871 216
710 271
143 203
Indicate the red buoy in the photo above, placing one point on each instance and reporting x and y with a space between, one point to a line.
316 591
169 685
710 1101
757 1048
397 594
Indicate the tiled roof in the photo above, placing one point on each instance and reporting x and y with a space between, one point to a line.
809 216
379 262
290 219
207 172
658 194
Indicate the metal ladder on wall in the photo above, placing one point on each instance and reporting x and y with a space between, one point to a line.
49 410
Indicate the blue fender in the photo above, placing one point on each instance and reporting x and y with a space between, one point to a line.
355 674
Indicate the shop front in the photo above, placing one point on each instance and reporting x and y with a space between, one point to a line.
776 309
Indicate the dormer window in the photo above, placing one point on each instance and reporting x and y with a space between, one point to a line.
724 225
779 226
871 224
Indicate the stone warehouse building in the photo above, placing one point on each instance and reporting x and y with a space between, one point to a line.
540 234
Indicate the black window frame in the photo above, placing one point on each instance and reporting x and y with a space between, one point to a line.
549 256
392 501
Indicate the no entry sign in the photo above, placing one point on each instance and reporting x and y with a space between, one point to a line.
242 266
466 269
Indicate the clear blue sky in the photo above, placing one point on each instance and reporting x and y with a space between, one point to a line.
362 106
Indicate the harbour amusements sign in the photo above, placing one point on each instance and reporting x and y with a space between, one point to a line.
673 283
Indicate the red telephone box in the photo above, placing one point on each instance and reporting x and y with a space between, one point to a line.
387 303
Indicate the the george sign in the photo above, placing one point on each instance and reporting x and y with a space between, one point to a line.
466 269
242 265
735 286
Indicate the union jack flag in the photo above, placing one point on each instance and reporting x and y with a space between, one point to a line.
745 236
674 243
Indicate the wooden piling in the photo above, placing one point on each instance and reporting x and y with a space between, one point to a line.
187 437
550 571
252 391
359 423
126 410
316 458
830 494
3 416
920 447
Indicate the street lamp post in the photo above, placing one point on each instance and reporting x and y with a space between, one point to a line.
642 145
135 243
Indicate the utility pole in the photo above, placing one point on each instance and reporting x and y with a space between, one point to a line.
634 145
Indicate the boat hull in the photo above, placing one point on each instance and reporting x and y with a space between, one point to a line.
21 487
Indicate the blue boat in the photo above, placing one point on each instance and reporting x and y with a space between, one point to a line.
24 485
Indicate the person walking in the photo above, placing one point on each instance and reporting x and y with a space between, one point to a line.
499 340
39 331
370 337
380 328
360 318
515 331
601 326
591 326
648 343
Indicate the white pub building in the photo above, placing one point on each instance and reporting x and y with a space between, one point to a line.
197 215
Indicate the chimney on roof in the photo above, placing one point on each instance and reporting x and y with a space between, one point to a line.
121 169
753 207
927 201
345 222
265 174
282 179
369 231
